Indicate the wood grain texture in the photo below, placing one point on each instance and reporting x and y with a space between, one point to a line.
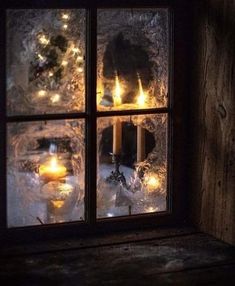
213 118
194 259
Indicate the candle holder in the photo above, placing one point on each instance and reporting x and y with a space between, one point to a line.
116 177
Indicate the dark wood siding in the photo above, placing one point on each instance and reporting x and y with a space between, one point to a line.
213 118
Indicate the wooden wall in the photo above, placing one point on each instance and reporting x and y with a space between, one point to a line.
212 140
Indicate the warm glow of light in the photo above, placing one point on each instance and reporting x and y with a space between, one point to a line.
42 93
110 215
99 91
152 182
65 26
65 16
80 58
41 57
80 69
55 98
76 50
51 74
151 209
43 40
64 63
117 99
57 203
52 171
141 99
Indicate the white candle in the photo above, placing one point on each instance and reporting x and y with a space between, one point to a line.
117 127
117 99
140 143
117 137
140 131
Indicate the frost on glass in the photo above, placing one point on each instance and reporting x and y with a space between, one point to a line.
45 172
132 59
132 165
45 61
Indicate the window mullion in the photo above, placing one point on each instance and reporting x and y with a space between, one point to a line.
90 201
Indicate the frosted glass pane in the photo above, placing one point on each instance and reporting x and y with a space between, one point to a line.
45 61
132 58
45 172
132 165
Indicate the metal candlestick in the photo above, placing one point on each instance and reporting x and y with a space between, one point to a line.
116 177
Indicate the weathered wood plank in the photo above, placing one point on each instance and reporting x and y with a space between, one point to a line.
168 261
213 118
94 241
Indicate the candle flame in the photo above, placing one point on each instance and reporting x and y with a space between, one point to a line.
142 97
53 164
117 99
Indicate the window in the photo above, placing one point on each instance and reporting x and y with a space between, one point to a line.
88 115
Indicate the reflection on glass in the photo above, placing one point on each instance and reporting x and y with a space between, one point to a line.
45 61
45 172
132 165
132 59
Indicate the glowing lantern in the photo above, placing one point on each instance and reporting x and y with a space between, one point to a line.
52 171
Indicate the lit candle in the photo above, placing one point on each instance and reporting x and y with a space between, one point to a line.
117 137
140 131
52 171
117 127
117 99
141 99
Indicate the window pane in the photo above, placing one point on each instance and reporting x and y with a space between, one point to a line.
132 58
45 61
45 172
132 165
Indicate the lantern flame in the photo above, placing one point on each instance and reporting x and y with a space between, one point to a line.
52 170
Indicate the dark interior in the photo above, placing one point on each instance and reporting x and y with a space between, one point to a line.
197 247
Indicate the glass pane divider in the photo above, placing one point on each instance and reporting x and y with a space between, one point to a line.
90 179
133 112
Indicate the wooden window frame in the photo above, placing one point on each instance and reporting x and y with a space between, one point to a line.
177 126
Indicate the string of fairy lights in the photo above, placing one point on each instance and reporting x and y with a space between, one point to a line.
57 63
